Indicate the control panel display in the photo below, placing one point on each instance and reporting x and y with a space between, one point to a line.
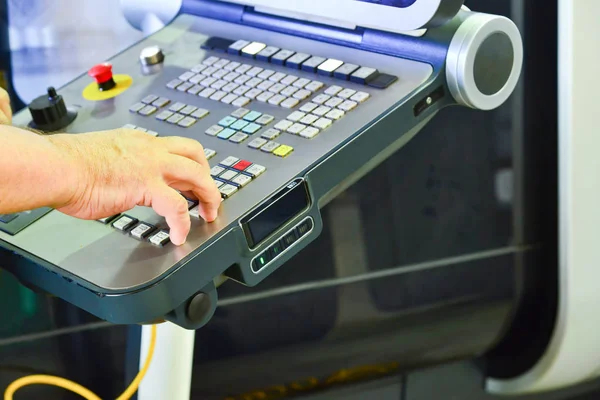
282 207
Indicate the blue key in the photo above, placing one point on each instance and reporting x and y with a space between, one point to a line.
239 125
227 121
251 128
226 133
252 116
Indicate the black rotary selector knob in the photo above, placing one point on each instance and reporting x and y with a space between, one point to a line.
49 112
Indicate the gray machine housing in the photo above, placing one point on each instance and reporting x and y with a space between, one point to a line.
125 281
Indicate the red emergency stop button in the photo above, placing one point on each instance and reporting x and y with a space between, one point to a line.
102 74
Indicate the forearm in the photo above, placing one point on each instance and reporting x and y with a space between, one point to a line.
33 172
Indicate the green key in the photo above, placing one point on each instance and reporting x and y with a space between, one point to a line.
251 128
227 121
239 125
252 116
226 133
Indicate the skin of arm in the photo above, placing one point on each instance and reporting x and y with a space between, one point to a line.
100 174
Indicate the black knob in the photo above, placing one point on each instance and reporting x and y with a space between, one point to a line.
49 112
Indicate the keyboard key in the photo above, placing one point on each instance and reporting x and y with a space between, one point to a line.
283 125
265 119
280 57
187 110
382 81
213 130
208 82
195 89
184 86
239 124
210 60
308 107
283 151
227 190
129 126
220 74
253 93
209 71
242 180
266 74
265 85
333 90
221 63
253 49
163 115
242 69
209 153
302 94
227 121
334 102
363 75
241 90
232 66
238 137
276 88
296 116
230 87
152 133
242 165
266 53
218 95
219 84
257 143
138 128
200 113
288 80
346 93
360 97
187 122
254 82
136 107
269 147
289 91
270 133
229 161
141 231
322 110
174 83
348 105
264 97
197 79
124 222
300 83
290 103
148 110
199 68
296 129
241 101
329 66
229 98
276 100
254 71
177 106
240 112
345 71
309 132
230 77
216 170
314 86
322 123
309 119
206 93
175 118
255 170
296 60
151 97
226 133
185 76
240 80
335 114
218 183
251 128
277 77
312 63
160 238
252 116
236 47
320 99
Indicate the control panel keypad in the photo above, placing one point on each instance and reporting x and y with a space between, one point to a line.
232 174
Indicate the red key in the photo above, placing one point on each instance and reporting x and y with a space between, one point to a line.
242 165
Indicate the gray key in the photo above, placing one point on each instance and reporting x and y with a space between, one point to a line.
238 46
270 134
281 56
254 71
288 91
298 59
238 137
139 128
242 180
221 63
312 63
266 74
195 89
363 74
220 74
269 147
209 153
290 103
265 119
230 98
140 231
184 86
136 107
187 110
129 126
148 110
216 170
240 80
257 143
186 75
174 83
161 102
214 130
163 115
149 99
196 79
267 52
187 122
152 133
230 77
240 112
175 118
255 170
199 68
241 90
227 190
228 175
232 66
200 113
345 70
210 60
219 84
176 106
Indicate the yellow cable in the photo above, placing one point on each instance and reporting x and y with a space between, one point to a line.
75 387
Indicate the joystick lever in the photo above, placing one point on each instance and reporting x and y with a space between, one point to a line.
49 112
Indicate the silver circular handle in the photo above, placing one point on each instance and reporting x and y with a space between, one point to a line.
152 55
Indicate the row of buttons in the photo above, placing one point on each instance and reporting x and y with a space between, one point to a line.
231 82
138 229
182 114
281 245
149 105
310 63
232 174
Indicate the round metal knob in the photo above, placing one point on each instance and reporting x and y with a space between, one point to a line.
151 56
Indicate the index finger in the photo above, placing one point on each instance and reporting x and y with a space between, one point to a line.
185 147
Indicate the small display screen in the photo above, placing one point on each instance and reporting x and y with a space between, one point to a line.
290 202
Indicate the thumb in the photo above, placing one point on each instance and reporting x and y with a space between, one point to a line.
171 205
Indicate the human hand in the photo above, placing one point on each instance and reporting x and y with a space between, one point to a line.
119 169
5 110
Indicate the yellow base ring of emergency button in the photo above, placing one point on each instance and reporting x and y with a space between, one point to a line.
92 93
